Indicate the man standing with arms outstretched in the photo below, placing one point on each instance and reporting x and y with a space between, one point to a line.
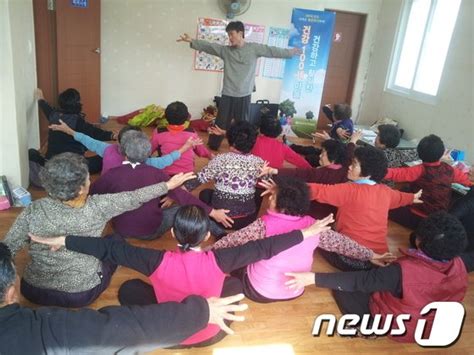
240 63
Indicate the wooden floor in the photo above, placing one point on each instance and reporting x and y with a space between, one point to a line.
281 328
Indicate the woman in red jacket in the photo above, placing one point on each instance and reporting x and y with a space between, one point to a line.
435 271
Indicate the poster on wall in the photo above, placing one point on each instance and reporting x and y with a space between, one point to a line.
213 30
273 68
304 75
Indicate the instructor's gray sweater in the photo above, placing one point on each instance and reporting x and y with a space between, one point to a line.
240 64
65 270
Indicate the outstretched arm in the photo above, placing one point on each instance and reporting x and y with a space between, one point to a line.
111 205
43 105
276 52
405 174
131 329
234 258
379 279
164 161
294 158
90 143
230 259
341 244
134 329
95 132
201 45
462 178
208 47
142 260
253 231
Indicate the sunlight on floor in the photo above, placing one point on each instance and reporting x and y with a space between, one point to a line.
274 349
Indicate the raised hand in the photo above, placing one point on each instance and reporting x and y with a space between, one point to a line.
299 280
321 135
54 242
356 136
417 197
222 217
166 202
266 169
184 38
383 259
319 226
223 308
195 141
115 134
269 186
343 133
62 127
39 94
179 179
191 142
216 130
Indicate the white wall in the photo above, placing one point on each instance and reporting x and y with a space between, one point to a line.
143 64
18 114
452 117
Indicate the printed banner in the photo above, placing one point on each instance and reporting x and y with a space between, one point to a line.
304 75
213 30
274 67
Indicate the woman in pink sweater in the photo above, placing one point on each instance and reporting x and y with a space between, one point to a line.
271 149
175 275
264 281
173 136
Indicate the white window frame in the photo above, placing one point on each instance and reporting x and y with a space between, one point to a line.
396 53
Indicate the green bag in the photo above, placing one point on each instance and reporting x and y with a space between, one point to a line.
150 115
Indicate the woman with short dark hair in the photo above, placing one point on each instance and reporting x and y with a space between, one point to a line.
235 175
363 205
70 112
63 278
289 203
271 149
334 161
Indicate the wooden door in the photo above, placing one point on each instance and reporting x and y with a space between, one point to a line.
66 39
46 66
78 51
343 61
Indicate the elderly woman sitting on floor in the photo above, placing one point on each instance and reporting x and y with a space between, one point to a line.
65 278
150 220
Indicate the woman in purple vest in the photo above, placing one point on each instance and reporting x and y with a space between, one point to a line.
174 275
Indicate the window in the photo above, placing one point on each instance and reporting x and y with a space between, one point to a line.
424 34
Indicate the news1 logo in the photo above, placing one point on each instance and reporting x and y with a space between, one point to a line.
446 328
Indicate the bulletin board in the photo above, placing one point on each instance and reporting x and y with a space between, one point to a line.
274 67
213 30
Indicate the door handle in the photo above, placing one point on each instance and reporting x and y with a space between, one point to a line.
97 50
